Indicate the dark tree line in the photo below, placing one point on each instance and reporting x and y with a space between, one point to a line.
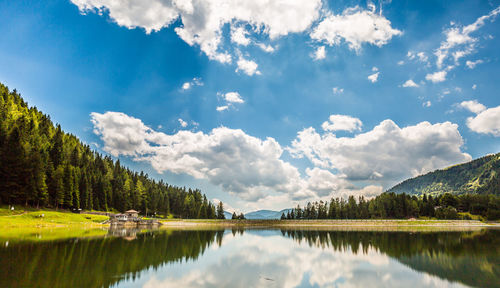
42 166
401 206
238 217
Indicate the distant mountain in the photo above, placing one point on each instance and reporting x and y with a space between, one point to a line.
228 215
480 176
266 214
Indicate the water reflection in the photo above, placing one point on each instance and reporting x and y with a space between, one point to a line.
256 258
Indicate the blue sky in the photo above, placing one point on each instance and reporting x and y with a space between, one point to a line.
330 111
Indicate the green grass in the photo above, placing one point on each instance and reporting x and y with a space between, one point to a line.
28 224
46 218
39 234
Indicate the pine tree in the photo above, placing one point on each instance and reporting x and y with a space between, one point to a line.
68 186
13 171
220 211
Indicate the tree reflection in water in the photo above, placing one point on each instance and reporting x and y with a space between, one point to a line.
471 258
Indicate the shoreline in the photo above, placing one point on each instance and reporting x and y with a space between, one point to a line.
365 224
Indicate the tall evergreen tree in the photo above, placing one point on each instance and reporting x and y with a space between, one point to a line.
220 211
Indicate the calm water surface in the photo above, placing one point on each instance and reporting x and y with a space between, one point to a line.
256 258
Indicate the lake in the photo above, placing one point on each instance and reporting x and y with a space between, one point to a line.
256 258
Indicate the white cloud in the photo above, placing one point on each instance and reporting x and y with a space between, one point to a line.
186 86
266 48
474 87
374 69
401 62
194 82
241 164
183 123
410 83
203 21
473 106
472 64
249 67
460 39
227 207
342 123
320 53
239 36
355 26
436 77
386 154
338 90
420 56
427 104
222 108
252 169
230 98
486 121
233 97
374 77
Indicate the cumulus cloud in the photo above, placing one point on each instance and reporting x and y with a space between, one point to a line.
385 154
253 169
190 84
427 104
410 83
473 106
241 164
472 64
355 26
374 77
203 21
239 36
230 98
248 67
320 53
486 121
233 97
436 77
342 123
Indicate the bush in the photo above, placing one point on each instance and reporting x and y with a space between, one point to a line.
446 213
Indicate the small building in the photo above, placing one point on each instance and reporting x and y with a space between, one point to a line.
121 217
132 213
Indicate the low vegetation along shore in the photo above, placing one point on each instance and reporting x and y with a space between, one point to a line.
327 223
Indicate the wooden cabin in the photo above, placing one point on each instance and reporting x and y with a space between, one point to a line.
132 213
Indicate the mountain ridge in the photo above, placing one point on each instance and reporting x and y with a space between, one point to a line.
479 176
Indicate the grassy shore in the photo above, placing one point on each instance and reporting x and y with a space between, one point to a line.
42 225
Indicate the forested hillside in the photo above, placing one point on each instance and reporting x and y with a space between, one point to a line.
41 165
479 176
